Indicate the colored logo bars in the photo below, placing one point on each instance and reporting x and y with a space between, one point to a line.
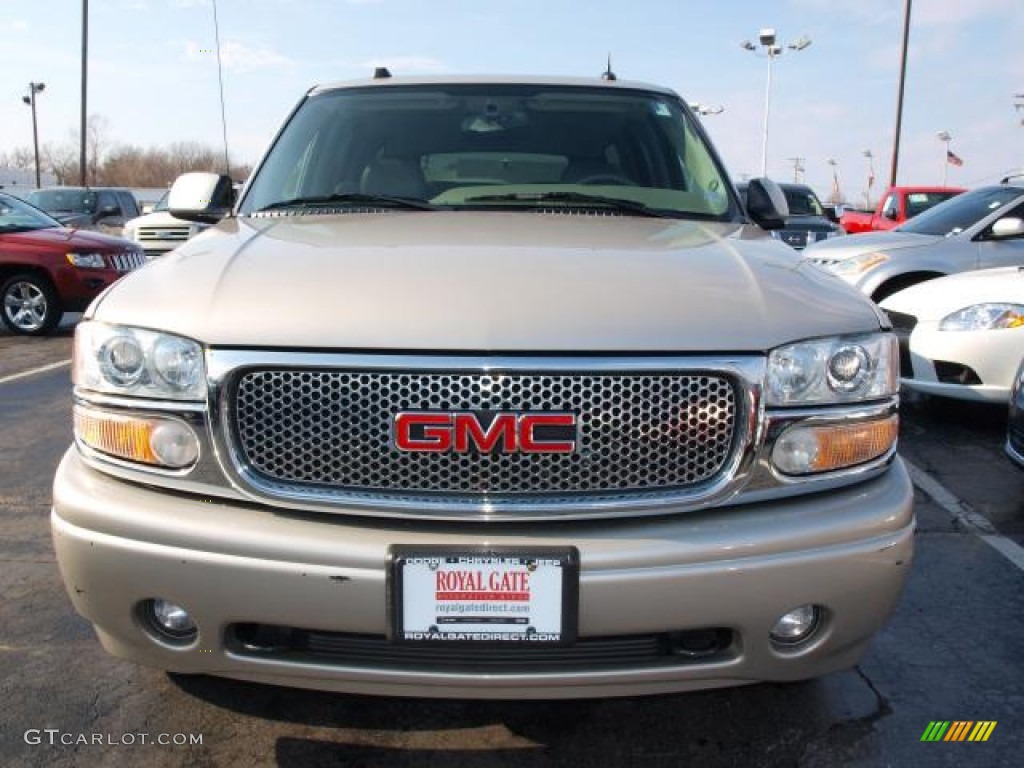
958 730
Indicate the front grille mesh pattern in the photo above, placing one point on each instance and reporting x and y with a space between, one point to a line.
331 428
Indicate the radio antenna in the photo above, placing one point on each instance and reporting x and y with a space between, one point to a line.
220 78
608 74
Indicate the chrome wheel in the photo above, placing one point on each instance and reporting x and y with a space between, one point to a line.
30 305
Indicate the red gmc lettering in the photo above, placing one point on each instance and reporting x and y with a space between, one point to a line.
530 421
467 428
434 432
437 439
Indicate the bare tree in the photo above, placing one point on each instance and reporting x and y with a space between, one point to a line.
62 161
21 158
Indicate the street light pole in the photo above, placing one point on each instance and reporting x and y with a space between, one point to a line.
33 89
767 39
894 167
767 111
945 137
871 177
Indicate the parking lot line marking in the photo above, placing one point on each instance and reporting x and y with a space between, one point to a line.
966 516
34 371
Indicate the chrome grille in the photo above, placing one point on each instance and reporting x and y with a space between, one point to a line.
126 262
332 428
177 234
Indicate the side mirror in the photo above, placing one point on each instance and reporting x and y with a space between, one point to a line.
833 212
766 204
202 197
891 215
1008 226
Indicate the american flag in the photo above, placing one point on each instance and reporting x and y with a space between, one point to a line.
953 159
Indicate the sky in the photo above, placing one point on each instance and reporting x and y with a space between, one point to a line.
152 71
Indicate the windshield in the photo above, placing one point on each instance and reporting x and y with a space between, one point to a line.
803 202
63 200
17 216
962 211
494 146
161 204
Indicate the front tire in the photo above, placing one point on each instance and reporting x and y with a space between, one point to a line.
30 305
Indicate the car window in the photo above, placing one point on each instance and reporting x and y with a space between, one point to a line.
803 202
106 200
129 208
891 209
963 211
17 216
455 144
919 202
63 200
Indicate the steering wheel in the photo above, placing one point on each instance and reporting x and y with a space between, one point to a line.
605 178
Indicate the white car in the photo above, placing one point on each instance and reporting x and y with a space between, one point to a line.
158 232
961 336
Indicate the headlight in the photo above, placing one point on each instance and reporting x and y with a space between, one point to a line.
837 370
984 317
858 265
131 361
87 260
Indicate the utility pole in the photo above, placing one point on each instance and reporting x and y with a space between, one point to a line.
798 168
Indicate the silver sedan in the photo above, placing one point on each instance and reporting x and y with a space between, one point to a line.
976 230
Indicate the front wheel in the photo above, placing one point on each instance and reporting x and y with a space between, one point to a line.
29 304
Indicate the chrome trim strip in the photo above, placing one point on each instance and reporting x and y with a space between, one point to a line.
91 397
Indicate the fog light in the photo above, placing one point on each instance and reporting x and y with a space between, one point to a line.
797 625
174 444
169 621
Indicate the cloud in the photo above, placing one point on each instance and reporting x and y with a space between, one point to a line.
407 65
946 12
17 26
237 57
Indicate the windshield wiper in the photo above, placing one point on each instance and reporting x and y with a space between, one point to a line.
575 197
356 198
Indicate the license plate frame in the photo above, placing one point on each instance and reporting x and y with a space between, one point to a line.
482 617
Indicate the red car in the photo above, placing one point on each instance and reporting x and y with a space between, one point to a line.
47 270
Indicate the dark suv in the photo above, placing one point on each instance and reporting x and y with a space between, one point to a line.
808 222
104 209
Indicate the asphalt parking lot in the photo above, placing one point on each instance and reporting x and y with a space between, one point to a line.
953 651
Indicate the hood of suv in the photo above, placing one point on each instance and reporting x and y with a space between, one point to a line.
487 281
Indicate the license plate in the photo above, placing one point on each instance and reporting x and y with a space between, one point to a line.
492 595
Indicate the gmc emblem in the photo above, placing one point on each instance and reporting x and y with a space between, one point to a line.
466 431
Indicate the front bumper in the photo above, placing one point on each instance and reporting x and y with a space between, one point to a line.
738 568
989 358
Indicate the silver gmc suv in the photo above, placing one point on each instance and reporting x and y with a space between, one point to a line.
485 388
